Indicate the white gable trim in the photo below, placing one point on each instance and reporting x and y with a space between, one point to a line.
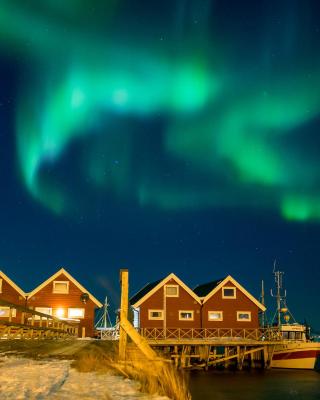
162 283
75 282
238 286
12 284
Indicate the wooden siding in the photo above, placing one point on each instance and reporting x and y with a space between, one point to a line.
46 298
172 305
229 307
12 296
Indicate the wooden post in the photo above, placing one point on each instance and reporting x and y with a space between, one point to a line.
124 282
83 332
10 314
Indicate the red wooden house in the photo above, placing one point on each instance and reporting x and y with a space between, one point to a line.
227 304
12 293
167 303
170 303
63 296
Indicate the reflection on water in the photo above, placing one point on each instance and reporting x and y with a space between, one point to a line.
255 385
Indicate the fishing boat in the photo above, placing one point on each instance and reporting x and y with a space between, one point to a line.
297 349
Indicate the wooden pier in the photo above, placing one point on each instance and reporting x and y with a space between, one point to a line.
202 348
26 323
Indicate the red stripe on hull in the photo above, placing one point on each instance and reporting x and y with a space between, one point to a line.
296 355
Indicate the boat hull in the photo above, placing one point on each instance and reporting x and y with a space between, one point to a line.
301 355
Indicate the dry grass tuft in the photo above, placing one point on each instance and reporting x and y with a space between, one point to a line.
94 358
154 377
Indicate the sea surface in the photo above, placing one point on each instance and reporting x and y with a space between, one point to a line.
255 385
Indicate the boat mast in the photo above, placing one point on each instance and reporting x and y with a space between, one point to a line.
104 321
262 302
279 295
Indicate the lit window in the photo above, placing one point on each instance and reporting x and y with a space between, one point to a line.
61 287
5 312
0 285
215 315
228 292
43 310
244 316
75 312
172 290
155 314
186 315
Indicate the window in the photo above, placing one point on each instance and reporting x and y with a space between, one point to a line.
5 312
215 316
228 292
172 290
43 310
0 285
61 287
75 312
186 315
155 314
243 316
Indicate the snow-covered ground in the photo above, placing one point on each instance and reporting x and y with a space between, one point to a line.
25 379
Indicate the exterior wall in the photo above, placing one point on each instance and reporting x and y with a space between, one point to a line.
158 301
8 293
46 298
230 308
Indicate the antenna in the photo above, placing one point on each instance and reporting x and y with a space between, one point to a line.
280 295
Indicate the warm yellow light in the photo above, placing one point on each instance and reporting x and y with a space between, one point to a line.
60 312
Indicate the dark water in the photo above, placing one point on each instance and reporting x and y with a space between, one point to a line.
255 385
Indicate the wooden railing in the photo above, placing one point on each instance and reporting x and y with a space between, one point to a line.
260 334
23 322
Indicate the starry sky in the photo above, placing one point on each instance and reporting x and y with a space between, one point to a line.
175 136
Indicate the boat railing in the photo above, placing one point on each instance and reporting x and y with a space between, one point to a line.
257 334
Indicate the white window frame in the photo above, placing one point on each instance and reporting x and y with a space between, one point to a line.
1 280
229 297
43 310
241 319
186 319
59 292
171 286
150 317
76 308
13 312
216 319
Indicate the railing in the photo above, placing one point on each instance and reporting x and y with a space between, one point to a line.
24 322
260 334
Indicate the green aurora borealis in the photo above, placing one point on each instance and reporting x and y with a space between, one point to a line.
170 113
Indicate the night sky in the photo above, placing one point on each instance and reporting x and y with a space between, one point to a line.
161 136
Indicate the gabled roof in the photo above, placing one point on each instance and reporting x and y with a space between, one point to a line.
12 284
71 278
238 286
205 288
151 288
142 292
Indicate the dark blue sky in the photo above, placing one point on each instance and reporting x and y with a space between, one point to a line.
191 147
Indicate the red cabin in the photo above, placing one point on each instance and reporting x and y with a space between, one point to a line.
168 303
227 304
64 297
11 292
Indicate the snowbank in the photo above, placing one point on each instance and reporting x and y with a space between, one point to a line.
24 379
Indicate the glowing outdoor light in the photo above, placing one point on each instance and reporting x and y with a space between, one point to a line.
60 312
286 317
